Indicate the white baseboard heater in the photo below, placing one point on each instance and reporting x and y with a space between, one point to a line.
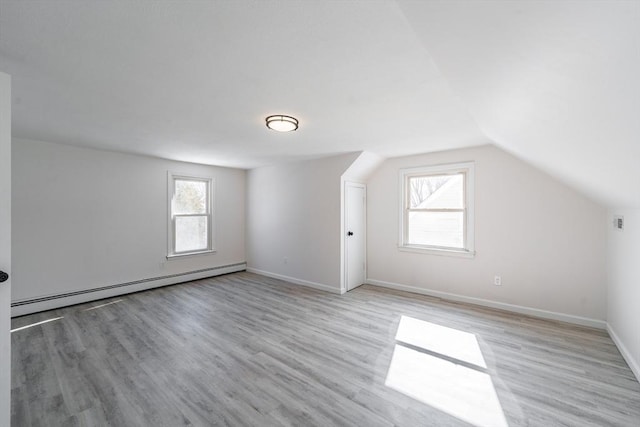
48 302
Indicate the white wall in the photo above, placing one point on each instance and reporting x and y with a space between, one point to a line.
5 248
293 212
546 241
623 314
85 218
362 167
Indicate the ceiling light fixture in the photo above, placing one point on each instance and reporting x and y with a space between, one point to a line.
282 123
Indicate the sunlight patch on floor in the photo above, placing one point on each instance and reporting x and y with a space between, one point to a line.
36 324
101 305
439 339
463 390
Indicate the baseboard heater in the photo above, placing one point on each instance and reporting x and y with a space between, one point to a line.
167 280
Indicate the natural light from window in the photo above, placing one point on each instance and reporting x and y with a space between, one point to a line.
190 214
102 305
448 342
437 212
444 368
36 324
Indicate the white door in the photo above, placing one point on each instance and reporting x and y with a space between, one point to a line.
5 248
355 214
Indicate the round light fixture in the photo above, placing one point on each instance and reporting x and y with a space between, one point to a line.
282 123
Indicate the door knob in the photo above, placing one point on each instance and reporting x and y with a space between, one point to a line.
3 276
350 233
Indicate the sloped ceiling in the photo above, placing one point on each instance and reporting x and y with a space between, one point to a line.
557 83
553 82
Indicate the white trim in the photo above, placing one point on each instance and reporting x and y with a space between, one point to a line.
35 307
302 282
188 254
626 354
344 284
529 311
341 239
441 252
468 170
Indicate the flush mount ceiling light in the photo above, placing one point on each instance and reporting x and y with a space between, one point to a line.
282 123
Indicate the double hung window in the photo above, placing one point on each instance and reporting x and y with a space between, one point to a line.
190 215
437 208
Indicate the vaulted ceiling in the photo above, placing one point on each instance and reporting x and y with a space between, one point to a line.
555 83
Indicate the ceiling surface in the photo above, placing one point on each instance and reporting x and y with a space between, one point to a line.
555 83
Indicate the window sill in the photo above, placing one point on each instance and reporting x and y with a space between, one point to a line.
441 252
188 254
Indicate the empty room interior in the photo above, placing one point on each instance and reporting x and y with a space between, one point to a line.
315 213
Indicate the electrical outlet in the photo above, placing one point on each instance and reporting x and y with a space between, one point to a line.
497 280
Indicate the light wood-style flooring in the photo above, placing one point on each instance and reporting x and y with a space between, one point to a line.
243 349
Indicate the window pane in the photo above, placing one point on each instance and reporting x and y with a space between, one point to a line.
190 197
191 233
436 229
437 192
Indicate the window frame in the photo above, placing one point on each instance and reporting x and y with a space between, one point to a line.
172 177
468 171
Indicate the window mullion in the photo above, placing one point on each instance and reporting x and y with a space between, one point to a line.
191 215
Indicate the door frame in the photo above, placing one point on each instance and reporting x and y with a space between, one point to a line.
5 252
343 236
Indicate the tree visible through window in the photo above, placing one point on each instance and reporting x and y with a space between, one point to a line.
190 215
436 210
423 187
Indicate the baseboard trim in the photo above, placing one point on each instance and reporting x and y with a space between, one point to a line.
302 282
626 354
49 302
529 311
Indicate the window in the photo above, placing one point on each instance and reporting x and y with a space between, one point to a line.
437 209
190 215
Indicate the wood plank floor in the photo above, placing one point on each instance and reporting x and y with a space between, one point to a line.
244 349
